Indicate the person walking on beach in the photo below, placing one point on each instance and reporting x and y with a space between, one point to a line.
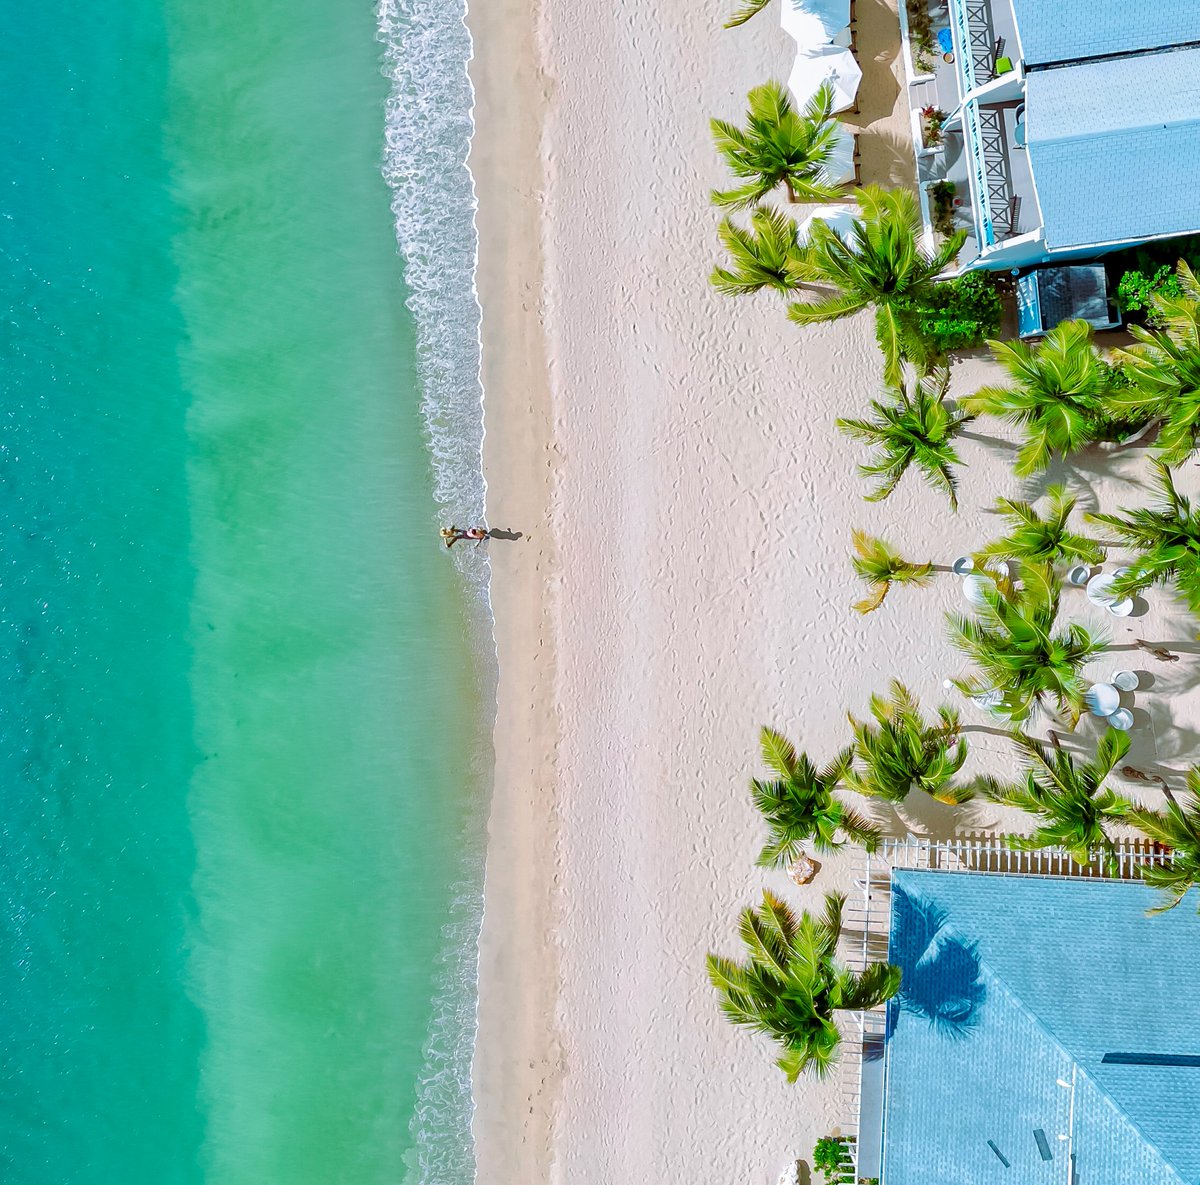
452 535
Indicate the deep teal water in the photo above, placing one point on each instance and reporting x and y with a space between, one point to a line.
238 713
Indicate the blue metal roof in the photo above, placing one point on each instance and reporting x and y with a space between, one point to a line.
1114 147
1068 30
1014 985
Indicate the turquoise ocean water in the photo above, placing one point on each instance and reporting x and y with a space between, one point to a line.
242 690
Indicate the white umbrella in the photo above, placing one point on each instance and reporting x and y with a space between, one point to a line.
825 64
839 219
840 169
812 22
803 26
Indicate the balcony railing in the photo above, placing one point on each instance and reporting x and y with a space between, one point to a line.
983 40
1001 203
963 44
976 42
979 178
997 205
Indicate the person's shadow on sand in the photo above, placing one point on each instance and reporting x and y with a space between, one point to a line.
497 533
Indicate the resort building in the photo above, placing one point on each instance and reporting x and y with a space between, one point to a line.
1054 130
1046 1033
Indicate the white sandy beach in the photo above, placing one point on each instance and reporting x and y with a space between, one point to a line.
685 577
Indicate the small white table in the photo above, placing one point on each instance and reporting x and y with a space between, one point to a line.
1099 592
1103 699
974 585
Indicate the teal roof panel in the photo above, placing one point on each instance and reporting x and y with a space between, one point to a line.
1015 985
1073 29
1114 148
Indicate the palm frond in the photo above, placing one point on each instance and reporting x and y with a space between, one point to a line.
791 985
745 11
1056 393
911 428
901 751
777 146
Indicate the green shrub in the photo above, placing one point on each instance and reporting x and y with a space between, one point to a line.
1116 426
961 314
941 198
1136 289
920 32
832 1157
1149 259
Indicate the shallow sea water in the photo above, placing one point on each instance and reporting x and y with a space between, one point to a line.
241 741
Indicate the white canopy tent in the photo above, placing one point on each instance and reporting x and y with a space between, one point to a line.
814 22
821 64
839 219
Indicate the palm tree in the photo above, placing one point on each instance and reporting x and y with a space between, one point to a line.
759 256
914 428
1056 393
745 11
1167 539
881 566
881 265
791 985
1178 828
1042 540
778 145
1164 370
1012 641
799 804
905 753
1068 799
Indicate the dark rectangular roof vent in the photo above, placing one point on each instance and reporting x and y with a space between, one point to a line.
1151 1059
1043 1144
999 1155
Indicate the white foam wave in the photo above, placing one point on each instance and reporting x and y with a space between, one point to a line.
429 126
428 132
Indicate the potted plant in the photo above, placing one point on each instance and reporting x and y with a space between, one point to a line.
920 33
932 121
941 200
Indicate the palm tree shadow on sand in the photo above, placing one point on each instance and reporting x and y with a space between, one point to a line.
941 977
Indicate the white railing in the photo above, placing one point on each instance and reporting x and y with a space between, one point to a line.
988 854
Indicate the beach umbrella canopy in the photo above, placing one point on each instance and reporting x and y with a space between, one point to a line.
840 169
839 219
814 22
803 26
821 64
